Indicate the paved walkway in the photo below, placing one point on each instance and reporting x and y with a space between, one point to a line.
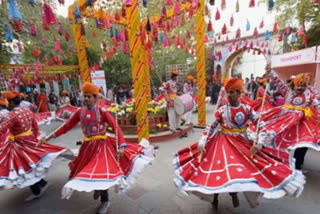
154 192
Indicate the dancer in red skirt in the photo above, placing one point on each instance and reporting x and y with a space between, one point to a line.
293 126
97 167
222 161
23 164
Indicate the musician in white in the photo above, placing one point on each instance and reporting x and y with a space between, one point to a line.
171 93
189 88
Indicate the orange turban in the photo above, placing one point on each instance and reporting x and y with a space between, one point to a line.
9 95
233 83
176 73
190 78
89 88
301 78
3 102
262 81
64 92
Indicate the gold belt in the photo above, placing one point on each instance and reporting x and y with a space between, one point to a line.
306 110
224 129
13 137
96 137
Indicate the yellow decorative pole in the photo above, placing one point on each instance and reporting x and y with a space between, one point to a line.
80 46
138 56
201 63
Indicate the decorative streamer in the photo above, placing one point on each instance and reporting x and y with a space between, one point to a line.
237 6
248 25
60 29
13 10
267 35
49 15
252 3
270 4
217 15
9 36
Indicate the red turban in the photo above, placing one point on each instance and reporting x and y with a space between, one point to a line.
89 88
233 83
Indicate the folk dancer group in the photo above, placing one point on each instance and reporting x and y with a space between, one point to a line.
246 149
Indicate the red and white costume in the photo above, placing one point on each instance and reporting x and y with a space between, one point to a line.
96 167
21 162
170 95
256 104
291 126
66 112
227 165
44 117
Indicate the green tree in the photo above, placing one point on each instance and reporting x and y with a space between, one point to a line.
303 13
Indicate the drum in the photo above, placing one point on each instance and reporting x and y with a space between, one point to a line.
183 104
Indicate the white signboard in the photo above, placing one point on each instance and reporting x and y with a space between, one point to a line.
98 78
318 54
300 57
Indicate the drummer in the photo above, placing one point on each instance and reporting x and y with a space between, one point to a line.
171 93
189 88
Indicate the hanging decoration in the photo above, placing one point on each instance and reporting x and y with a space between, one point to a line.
224 29
33 30
82 29
177 8
275 27
164 12
13 10
123 11
237 6
248 25
61 2
270 4
217 15
148 26
36 52
194 3
223 4
111 32
57 46
267 35
77 14
209 28
238 33
190 12
67 36
94 34
255 33
261 24
231 21
43 40
128 3
31 2
107 24
49 15
60 29
20 47
252 3
9 35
